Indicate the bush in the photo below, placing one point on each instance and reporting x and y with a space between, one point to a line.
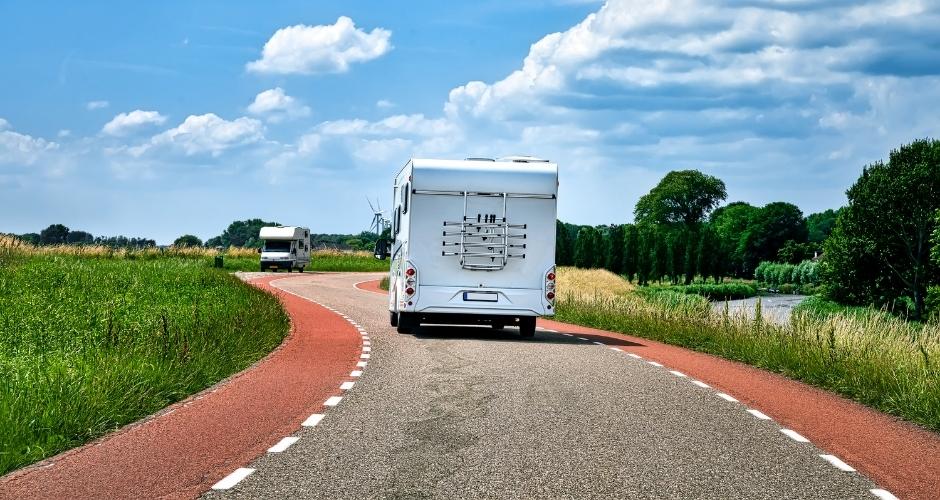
775 274
719 291
933 303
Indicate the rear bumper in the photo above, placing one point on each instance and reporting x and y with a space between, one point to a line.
512 302
280 264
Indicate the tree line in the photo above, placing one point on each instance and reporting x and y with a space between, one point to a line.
882 248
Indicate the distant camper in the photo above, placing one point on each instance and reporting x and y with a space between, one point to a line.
473 243
285 247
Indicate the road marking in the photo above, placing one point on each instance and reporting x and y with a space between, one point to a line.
549 331
362 330
366 342
581 338
637 356
233 478
332 401
567 335
596 342
839 464
366 348
794 436
758 414
365 337
355 373
362 364
701 384
313 420
345 386
616 349
678 374
883 494
655 364
283 444
364 356
727 397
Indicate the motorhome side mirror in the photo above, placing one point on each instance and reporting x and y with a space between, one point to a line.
381 249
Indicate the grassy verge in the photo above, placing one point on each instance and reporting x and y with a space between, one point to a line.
876 359
384 284
711 291
88 344
320 260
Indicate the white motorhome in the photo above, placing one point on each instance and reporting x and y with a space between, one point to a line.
285 247
474 243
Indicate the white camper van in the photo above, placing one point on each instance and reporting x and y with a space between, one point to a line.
474 243
285 247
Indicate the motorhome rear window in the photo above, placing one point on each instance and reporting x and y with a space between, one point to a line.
404 203
277 245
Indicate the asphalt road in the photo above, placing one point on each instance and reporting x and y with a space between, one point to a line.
474 413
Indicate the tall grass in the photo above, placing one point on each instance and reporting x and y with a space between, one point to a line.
88 344
878 360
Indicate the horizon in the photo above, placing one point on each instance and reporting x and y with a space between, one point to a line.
171 119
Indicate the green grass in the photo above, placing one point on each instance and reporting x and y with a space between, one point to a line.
711 291
89 344
333 261
384 283
878 360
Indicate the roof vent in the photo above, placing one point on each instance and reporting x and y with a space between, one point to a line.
474 158
523 159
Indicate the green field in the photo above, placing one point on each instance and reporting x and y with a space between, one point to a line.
88 344
331 261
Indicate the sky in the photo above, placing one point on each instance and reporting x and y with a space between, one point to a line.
177 117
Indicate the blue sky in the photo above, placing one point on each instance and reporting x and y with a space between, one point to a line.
179 117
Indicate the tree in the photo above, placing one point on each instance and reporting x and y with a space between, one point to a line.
630 251
187 240
241 233
644 255
55 234
730 224
79 238
615 247
820 225
707 254
676 255
770 228
660 256
31 238
564 244
584 248
681 197
793 253
880 246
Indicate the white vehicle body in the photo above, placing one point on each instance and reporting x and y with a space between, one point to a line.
285 247
474 242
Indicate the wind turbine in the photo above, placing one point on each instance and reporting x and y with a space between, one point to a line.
379 222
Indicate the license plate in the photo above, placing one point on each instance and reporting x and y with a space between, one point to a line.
273 267
481 297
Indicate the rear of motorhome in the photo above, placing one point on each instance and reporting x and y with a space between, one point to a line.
473 243
285 247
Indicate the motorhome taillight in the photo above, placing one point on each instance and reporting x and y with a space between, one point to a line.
410 271
551 276
410 291
550 295
550 285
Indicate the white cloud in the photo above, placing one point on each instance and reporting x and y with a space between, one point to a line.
327 48
384 104
124 123
416 124
276 106
92 105
207 133
64 133
22 149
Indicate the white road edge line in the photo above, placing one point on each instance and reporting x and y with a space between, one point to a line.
655 364
362 364
332 401
283 444
637 356
364 356
794 436
726 397
580 338
313 420
355 373
883 494
567 335
677 373
616 349
701 384
838 464
233 478
366 348
345 386
758 414
596 342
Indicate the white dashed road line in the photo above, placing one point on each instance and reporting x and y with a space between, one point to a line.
313 420
637 356
362 364
701 384
758 414
355 373
616 349
794 436
345 386
283 444
233 478
655 364
364 356
677 373
727 397
838 464
332 401
883 494
596 342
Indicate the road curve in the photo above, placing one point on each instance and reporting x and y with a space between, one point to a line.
185 449
472 412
